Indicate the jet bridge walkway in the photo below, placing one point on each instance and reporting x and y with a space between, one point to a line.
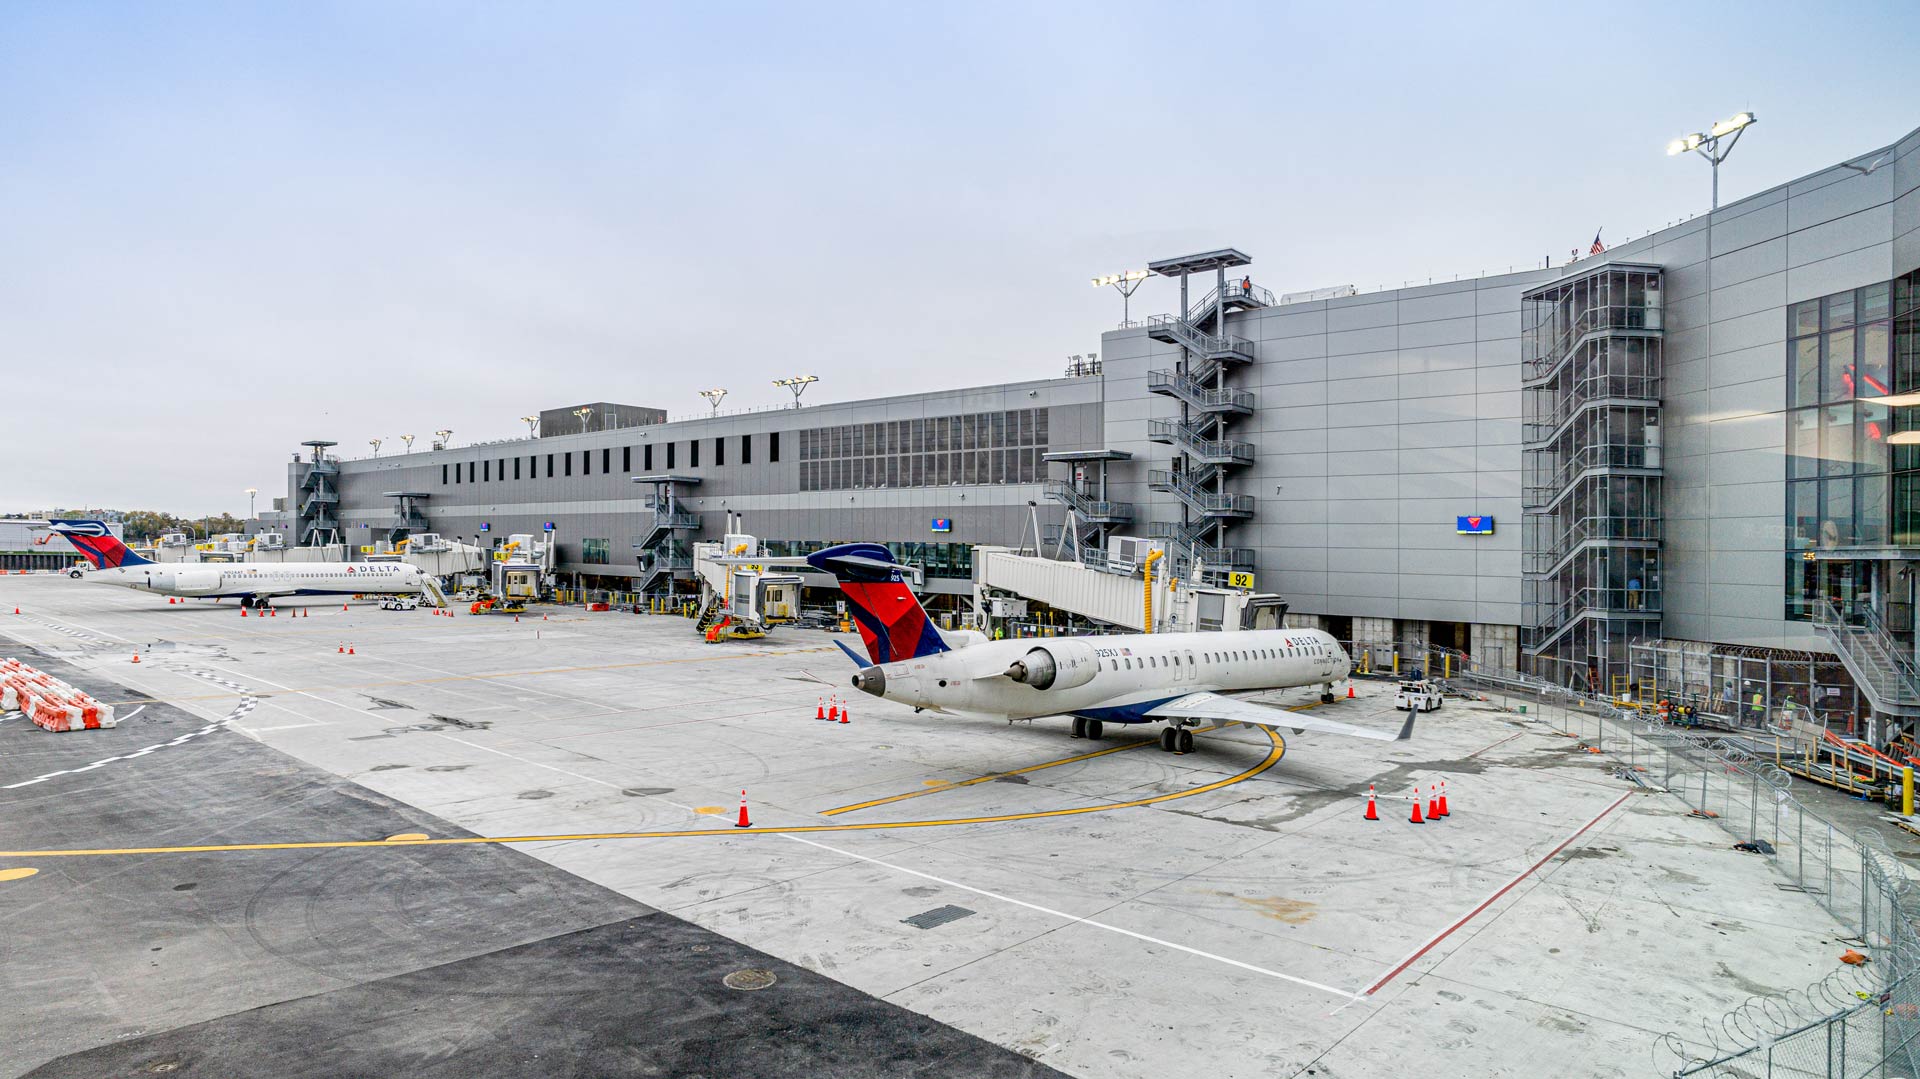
1114 598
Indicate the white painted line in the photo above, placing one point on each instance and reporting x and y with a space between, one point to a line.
1076 919
282 727
130 715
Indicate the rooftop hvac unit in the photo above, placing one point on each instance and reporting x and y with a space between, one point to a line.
1334 293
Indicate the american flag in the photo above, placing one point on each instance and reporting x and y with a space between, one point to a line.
1597 245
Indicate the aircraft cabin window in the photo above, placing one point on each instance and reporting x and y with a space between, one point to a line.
1114 663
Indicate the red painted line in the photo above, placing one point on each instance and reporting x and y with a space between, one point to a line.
1490 900
1501 742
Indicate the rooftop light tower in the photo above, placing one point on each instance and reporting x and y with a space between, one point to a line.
1708 145
797 385
445 435
714 397
251 491
533 425
408 439
585 414
1124 284
375 443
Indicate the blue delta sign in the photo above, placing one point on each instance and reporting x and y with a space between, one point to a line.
942 524
1473 526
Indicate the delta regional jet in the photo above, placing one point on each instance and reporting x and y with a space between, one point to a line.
1179 679
256 584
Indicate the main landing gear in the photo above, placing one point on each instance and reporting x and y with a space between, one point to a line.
1176 740
1086 728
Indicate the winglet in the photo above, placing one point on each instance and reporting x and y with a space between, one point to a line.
1406 729
858 659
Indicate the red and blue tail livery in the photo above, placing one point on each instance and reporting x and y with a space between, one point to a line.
98 543
892 623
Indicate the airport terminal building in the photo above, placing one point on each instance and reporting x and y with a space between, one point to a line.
1706 436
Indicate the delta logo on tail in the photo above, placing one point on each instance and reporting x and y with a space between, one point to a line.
892 624
98 543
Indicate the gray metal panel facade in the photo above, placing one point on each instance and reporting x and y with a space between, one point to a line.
604 503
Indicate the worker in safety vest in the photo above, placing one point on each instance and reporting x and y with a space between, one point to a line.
1759 706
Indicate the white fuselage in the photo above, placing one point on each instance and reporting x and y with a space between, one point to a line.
264 579
1115 678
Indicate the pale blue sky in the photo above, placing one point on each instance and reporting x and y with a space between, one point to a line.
231 227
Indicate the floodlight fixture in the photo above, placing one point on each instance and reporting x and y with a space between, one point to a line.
797 385
408 439
375 443
533 425
1708 145
585 413
714 397
1124 283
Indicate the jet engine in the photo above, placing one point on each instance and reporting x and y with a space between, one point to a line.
1056 665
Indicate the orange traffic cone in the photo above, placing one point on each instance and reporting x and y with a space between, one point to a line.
819 708
1443 800
743 822
243 612
349 650
516 619
273 612
1433 803
1415 819
343 606
308 613
833 712
844 713
136 657
340 649
1372 813
16 610
1349 690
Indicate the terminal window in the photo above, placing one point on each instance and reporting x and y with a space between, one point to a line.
934 451
516 468
746 449
693 453
594 552
606 460
626 458
646 457
719 452
1844 351
773 447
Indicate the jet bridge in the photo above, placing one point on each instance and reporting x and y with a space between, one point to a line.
1125 600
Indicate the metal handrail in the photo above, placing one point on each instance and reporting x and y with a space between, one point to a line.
1196 394
1175 431
1062 491
1591 319
1193 495
1201 341
1871 636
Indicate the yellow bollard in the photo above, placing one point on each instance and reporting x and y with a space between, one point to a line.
1906 791
1446 665
1396 663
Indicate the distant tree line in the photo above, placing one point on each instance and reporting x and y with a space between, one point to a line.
148 525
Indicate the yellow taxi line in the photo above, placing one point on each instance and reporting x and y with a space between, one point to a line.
1272 758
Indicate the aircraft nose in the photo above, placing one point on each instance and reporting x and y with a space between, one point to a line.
871 680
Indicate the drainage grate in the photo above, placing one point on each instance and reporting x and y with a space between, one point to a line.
938 916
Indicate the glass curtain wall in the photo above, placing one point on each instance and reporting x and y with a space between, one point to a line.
1848 485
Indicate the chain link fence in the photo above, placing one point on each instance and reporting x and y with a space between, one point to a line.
1861 1021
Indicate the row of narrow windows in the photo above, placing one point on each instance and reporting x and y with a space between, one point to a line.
505 468
1173 660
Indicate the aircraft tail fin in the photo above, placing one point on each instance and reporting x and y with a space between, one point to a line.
95 541
892 623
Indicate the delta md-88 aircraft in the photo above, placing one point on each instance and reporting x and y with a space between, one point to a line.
1177 679
256 584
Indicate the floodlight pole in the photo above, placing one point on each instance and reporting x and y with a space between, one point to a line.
1126 290
1712 151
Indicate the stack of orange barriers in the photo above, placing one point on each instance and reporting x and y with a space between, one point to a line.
50 703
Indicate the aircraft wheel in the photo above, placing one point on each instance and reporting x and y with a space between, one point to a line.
1093 730
1079 726
75 574
1186 741
1326 698
1169 740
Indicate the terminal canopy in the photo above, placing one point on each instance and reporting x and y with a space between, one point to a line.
1088 455
1224 259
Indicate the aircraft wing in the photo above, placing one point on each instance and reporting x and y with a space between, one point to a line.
1225 710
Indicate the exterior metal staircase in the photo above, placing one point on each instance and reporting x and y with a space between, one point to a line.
664 550
1199 396
1881 666
1189 487
1199 448
1089 509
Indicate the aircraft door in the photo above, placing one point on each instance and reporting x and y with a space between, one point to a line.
1190 673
